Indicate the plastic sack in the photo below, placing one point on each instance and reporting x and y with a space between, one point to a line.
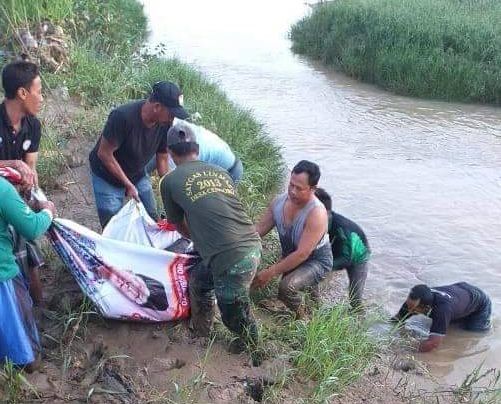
419 326
125 281
133 224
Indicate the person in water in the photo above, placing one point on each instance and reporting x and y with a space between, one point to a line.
301 222
460 302
350 249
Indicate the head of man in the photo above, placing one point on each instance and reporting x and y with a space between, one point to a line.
420 299
182 143
324 197
21 83
166 103
303 182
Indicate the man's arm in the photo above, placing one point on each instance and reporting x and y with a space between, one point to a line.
31 160
431 343
403 314
105 154
314 230
17 213
266 223
162 164
441 317
182 228
175 214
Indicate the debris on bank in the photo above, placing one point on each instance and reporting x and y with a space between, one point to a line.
46 45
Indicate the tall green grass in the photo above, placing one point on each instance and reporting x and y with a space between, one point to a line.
334 350
107 26
444 49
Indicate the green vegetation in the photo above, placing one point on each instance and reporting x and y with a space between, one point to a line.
333 349
13 385
444 49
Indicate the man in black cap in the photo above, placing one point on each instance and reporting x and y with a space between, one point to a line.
133 134
200 199
459 302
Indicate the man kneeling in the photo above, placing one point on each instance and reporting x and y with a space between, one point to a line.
301 222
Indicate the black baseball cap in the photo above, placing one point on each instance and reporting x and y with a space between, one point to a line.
180 132
168 94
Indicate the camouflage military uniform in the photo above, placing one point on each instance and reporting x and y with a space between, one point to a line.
230 286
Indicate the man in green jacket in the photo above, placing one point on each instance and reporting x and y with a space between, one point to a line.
19 342
350 249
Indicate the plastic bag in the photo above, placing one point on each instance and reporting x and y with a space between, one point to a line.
133 224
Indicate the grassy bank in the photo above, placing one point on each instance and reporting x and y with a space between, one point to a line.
332 350
443 49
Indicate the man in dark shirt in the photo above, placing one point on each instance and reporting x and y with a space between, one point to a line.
20 133
350 249
459 302
200 199
133 134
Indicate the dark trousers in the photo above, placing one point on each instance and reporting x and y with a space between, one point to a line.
480 319
230 286
305 277
357 275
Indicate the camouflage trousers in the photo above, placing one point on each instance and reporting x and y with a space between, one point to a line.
230 286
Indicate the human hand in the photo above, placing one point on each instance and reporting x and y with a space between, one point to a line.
262 279
47 205
131 191
27 174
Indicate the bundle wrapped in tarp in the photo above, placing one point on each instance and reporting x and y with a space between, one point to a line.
126 280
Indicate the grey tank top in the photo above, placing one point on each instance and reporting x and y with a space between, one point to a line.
290 236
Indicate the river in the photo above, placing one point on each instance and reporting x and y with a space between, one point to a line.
421 177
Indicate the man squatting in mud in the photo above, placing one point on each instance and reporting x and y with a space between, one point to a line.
301 222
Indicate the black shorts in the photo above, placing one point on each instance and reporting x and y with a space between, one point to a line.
480 319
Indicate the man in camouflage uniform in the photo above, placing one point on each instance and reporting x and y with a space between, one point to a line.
200 199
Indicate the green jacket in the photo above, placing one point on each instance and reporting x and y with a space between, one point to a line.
15 212
349 243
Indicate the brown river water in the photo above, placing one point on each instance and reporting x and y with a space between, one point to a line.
423 178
